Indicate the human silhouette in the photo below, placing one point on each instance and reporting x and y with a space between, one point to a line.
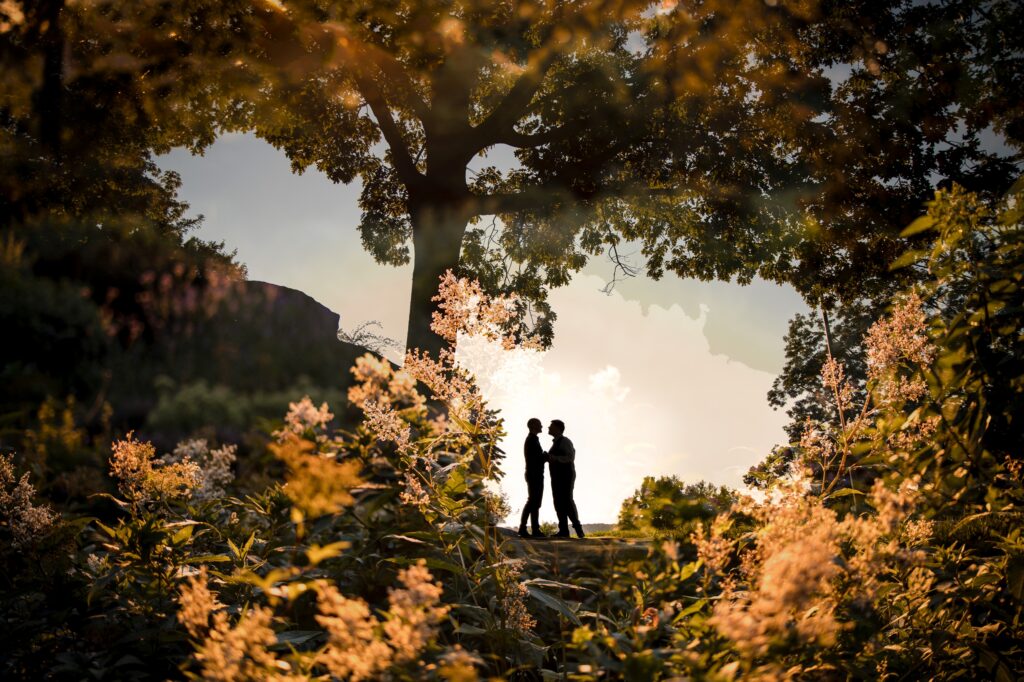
535 459
562 460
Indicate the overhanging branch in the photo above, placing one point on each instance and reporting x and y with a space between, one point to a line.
515 104
543 199
530 140
404 164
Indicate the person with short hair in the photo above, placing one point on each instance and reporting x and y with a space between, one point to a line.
535 459
562 460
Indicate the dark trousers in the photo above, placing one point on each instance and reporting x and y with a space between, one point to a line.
535 489
565 506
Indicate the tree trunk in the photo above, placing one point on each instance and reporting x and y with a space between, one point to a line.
437 241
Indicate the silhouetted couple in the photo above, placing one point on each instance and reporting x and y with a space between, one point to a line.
561 458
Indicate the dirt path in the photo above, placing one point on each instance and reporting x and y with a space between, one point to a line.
565 555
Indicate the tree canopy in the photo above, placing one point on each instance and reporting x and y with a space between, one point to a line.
666 503
791 140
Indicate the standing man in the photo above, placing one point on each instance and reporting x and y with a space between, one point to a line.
535 459
562 458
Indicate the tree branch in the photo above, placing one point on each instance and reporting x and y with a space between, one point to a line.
396 73
358 53
526 141
515 104
404 164
546 198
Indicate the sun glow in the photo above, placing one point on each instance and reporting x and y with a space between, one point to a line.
676 409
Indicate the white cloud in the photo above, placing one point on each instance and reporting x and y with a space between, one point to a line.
607 383
649 401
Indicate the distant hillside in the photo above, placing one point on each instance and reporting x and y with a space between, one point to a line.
263 337
258 339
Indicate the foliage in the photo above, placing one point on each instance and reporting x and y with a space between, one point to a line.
666 503
887 543
378 556
798 387
289 560
937 434
724 139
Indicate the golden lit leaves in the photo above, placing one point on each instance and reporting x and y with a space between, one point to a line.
141 478
805 562
317 483
226 652
452 32
464 308
12 15
376 381
197 603
360 646
355 650
305 418
24 520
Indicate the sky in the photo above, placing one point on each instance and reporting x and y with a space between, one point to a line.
656 378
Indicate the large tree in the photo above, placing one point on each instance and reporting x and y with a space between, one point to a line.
790 139
787 139
677 126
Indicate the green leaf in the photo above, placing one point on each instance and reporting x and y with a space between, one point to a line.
106 529
248 544
922 224
182 536
478 611
845 492
207 559
968 519
688 570
543 582
691 609
907 258
316 553
455 484
463 628
296 637
554 603
406 538
597 616
81 522
119 502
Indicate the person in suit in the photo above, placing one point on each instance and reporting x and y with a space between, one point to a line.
535 459
562 460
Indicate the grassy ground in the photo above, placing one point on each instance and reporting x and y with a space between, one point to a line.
567 556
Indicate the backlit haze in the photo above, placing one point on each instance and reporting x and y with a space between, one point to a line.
656 378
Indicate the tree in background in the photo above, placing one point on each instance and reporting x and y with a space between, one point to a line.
665 503
607 104
101 278
791 140
926 102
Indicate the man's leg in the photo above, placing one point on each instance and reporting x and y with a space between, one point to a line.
522 519
532 506
558 493
536 498
570 509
